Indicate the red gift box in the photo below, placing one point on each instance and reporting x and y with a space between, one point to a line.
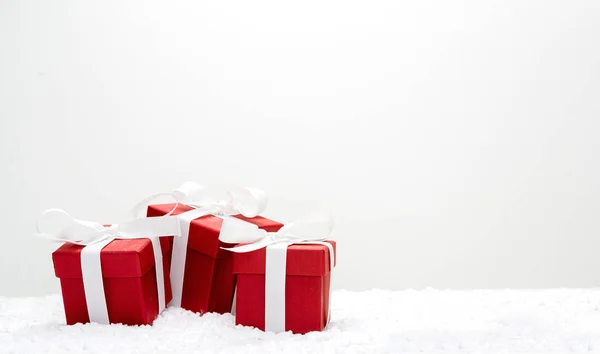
307 286
128 275
209 281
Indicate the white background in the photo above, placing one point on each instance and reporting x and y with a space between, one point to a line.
455 142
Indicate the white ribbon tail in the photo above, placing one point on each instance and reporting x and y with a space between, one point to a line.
150 227
53 238
93 284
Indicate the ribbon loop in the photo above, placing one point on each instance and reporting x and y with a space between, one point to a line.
312 228
247 201
188 191
60 226
238 231
316 227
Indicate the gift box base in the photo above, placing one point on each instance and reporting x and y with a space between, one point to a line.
208 284
306 306
137 304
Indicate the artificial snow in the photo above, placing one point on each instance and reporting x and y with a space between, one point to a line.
375 321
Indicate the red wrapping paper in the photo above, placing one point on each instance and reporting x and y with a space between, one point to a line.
209 281
129 277
306 292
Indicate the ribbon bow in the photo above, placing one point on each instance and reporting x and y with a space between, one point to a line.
313 229
59 226
248 202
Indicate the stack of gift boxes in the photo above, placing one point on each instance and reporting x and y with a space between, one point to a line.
207 256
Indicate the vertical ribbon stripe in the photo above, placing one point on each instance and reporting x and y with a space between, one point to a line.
275 273
160 277
178 256
180 251
93 285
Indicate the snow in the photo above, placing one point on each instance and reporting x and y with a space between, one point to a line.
376 321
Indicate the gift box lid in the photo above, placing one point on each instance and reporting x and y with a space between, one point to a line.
302 259
119 259
205 231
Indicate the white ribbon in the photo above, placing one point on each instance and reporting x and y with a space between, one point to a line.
248 202
57 225
313 230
